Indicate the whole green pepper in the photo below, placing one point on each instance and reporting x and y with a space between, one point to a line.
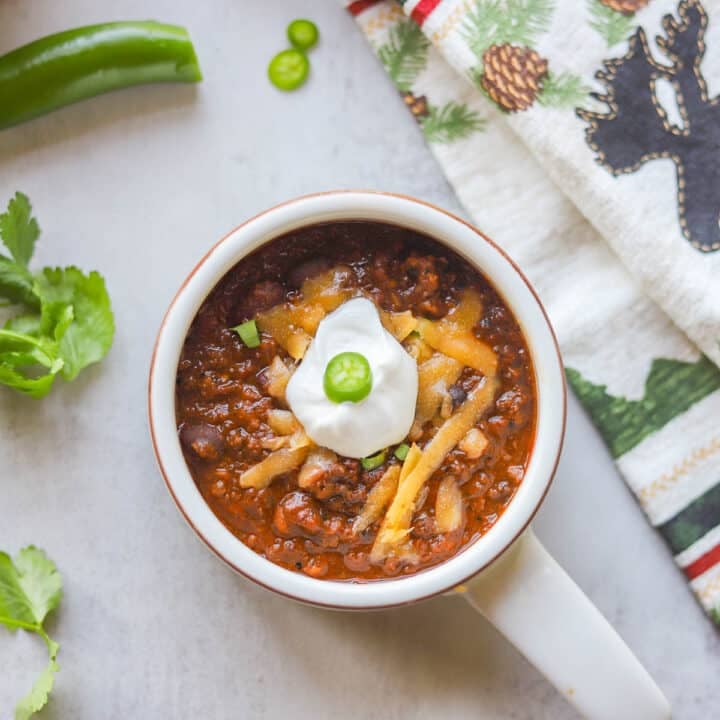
77 64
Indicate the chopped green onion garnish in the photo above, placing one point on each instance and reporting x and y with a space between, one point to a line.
289 69
347 378
248 333
302 34
401 451
374 461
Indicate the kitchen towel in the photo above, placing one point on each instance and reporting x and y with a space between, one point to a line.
588 152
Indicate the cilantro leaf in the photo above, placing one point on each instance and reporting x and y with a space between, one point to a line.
42 349
37 698
21 353
16 283
24 324
19 230
86 335
40 581
37 387
70 322
55 318
30 588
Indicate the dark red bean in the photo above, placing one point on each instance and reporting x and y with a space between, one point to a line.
310 268
205 441
262 296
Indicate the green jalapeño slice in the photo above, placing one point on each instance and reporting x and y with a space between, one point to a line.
289 69
302 34
348 378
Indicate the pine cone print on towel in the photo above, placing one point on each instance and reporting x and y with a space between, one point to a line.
503 34
626 7
417 104
512 76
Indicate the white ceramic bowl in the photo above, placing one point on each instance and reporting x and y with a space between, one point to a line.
483 254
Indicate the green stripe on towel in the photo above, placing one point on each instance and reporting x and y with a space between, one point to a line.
692 523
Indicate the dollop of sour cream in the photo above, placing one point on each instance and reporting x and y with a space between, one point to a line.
384 417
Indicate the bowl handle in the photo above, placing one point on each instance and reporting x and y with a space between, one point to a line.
534 603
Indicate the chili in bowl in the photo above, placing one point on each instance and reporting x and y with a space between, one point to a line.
357 401
306 506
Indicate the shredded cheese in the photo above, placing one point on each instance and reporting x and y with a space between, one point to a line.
277 463
396 524
378 499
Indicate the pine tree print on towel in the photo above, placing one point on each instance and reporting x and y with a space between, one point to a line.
637 128
404 56
614 20
501 33
671 388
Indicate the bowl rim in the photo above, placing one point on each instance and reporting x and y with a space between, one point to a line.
349 595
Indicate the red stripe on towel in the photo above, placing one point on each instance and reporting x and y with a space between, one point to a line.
423 9
703 563
355 8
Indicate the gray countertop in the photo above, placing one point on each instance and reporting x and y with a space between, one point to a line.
137 185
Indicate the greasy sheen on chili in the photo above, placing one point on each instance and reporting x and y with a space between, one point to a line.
223 402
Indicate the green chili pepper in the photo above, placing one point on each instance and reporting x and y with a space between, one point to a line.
77 64
401 451
289 69
374 461
248 333
302 34
347 378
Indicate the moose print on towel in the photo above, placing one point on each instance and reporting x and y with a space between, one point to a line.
637 128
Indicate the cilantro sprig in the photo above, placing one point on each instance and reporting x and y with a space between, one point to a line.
66 322
31 587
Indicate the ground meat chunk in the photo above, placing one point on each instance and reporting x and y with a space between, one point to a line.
357 561
297 514
424 270
316 567
514 406
287 552
335 479
424 526
509 402
501 491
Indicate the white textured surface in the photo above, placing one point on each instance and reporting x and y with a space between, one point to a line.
137 185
